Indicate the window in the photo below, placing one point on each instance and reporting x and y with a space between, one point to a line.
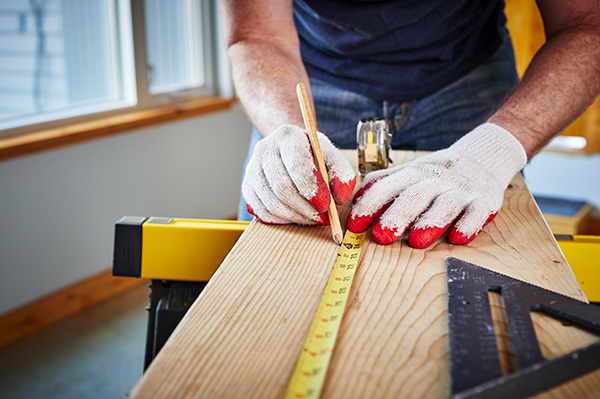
69 59
174 51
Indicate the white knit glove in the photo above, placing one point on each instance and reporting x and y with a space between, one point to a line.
283 184
466 180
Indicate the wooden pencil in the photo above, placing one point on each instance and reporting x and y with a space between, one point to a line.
311 128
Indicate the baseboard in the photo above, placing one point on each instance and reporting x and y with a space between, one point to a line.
45 311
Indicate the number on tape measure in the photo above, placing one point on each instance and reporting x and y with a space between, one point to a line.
309 374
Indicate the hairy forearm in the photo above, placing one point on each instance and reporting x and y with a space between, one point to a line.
265 76
561 81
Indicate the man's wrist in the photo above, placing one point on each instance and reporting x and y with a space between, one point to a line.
495 149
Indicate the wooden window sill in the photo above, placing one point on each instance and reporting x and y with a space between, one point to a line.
30 143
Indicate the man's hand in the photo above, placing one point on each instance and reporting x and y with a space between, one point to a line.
465 182
283 184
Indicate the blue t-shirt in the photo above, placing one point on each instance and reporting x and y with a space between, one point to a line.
396 50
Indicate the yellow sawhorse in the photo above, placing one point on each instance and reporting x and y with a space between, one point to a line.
179 256
583 254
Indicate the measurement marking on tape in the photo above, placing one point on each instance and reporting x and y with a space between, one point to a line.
309 374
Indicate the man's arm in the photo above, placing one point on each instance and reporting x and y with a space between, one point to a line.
562 79
264 50
282 183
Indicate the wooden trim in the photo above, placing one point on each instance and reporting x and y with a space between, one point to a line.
30 143
45 311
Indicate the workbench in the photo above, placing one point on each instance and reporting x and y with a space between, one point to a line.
242 336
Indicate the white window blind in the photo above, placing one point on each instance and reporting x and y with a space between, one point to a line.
62 59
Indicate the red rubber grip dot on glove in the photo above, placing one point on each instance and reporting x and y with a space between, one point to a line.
422 238
358 224
322 198
385 236
458 238
342 191
323 219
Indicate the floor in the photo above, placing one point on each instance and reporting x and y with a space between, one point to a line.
96 354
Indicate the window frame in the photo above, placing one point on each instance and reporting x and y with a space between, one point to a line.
137 103
208 31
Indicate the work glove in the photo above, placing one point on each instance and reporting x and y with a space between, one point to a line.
284 185
465 181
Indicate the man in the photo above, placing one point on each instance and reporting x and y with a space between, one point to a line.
438 69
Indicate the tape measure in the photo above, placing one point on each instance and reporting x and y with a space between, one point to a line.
309 374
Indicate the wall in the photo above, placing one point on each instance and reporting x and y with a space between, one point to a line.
566 176
58 208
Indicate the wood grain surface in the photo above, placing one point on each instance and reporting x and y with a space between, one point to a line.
242 336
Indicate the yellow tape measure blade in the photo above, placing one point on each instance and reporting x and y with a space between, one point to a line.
309 374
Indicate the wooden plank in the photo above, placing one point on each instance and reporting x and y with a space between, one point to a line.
242 336
54 307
